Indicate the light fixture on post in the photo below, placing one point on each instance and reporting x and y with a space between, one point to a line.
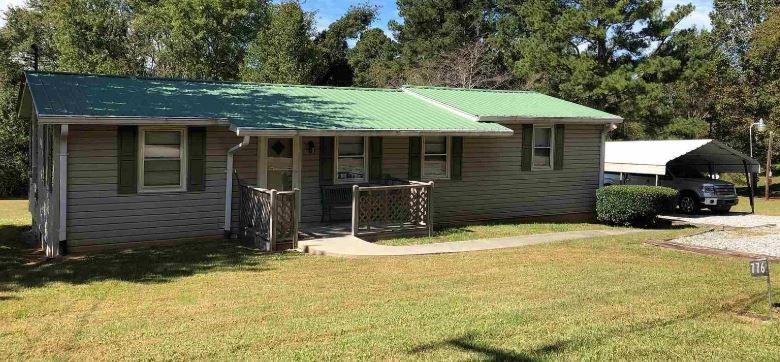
310 147
760 127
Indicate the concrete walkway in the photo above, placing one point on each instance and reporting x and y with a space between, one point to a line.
352 246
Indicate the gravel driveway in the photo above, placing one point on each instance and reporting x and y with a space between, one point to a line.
735 220
745 233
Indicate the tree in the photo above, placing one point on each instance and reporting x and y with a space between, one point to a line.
733 22
432 28
334 68
763 68
198 39
601 54
476 65
374 60
288 50
92 36
283 51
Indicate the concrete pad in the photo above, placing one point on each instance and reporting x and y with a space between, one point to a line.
353 246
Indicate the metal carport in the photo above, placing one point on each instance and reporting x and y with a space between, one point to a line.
653 157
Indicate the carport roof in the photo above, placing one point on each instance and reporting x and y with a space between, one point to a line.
652 157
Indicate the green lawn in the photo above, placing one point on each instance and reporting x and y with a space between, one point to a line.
491 231
763 207
605 298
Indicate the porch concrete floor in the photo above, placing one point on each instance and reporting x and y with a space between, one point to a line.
349 245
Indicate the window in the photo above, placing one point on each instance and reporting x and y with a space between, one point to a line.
543 148
162 166
436 158
351 159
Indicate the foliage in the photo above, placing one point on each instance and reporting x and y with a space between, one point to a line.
633 204
283 51
373 59
289 50
197 39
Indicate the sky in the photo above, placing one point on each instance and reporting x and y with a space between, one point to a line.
330 10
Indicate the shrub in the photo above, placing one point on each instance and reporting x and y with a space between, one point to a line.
632 205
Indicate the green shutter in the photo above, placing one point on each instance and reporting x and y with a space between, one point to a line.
127 159
415 152
559 137
196 158
528 139
375 161
456 161
326 160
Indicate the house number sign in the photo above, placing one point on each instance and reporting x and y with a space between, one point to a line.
760 268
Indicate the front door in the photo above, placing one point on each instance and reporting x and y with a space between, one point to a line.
278 163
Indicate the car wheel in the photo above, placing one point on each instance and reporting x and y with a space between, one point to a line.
688 204
721 209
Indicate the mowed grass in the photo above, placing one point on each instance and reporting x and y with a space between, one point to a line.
763 206
605 298
498 230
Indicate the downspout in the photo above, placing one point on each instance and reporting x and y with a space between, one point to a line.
63 191
229 184
607 128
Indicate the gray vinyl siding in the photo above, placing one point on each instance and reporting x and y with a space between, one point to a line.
310 182
492 185
97 214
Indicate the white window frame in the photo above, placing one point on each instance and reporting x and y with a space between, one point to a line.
448 162
533 147
182 165
336 162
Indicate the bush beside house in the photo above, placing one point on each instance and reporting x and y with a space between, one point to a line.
633 205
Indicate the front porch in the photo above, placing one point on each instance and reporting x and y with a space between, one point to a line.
270 219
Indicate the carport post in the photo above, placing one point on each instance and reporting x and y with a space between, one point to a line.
750 186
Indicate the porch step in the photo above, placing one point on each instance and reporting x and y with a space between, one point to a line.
320 245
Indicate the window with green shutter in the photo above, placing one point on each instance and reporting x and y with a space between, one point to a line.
162 159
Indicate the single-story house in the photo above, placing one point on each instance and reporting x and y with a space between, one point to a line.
121 161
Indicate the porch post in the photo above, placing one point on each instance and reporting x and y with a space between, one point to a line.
272 221
297 216
430 210
355 208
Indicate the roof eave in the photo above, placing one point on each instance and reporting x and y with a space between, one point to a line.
125 120
249 131
573 120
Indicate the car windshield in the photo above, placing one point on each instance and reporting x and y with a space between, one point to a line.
685 172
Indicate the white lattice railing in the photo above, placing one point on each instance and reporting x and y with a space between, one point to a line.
396 208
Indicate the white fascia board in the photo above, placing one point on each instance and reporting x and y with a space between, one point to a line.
244 131
116 120
549 120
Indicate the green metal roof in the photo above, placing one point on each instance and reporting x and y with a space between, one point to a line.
487 104
244 105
